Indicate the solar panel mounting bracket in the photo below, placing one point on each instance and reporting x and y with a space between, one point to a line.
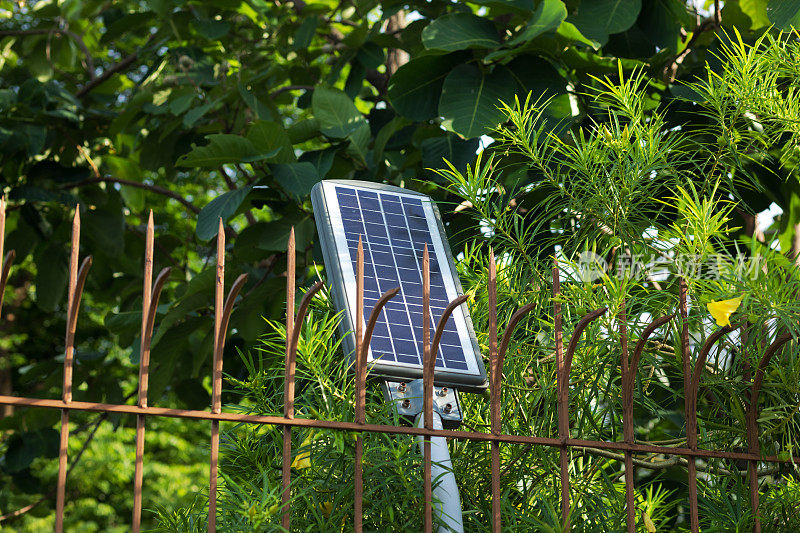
406 399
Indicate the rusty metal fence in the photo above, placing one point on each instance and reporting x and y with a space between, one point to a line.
294 321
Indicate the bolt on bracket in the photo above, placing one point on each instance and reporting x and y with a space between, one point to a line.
405 397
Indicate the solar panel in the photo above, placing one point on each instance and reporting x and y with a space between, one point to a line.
395 225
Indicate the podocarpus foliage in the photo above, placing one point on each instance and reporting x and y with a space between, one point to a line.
653 204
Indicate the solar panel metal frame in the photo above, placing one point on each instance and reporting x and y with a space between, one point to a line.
331 251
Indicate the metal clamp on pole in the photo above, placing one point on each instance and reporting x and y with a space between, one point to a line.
406 399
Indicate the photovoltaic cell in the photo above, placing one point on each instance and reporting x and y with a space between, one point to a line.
395 227
394 231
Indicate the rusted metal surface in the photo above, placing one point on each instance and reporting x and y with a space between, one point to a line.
288 386
752 424
691 421
428 367
494 390
627 420
360 371
629 367
495 437
150 296
74 291
222 314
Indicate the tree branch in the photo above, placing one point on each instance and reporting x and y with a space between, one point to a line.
152 188
709 24
675 460
108 73
285 88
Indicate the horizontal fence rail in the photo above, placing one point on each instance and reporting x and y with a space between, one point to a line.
294 322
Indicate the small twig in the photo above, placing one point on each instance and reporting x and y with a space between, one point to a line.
671 68
281 90
675 460
88 159
152 188
109 72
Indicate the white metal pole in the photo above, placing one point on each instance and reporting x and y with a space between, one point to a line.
446 500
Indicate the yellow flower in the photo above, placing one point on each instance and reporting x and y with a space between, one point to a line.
723 309
648 523
303 459
326 508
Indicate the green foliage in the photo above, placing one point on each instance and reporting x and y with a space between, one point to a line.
234 109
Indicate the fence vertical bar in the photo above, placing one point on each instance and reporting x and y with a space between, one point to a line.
288 384
360 371
691 419
67 385
216 385
687 384
4 275
752 423
6 268
752 436
427 388
563 402
627 419
495 392
143 374
150 293
9 258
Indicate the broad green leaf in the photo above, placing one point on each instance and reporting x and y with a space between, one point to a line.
548 16
223 207
569 32
785 14
337 114
212 29
296 178
222 149
661 22
757 10
270 136
23 448
105 226
134 198
261 110
537 76
321 159
303 130
747 14
359 142
195 114
371 55
127 322
51 276
123 167
459 31
597 19
415 88
521 7
277 235
457 151
305 33
385 134
470 98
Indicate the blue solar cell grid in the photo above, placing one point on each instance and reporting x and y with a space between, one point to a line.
394 231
